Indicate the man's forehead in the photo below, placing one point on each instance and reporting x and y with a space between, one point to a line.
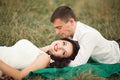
58 20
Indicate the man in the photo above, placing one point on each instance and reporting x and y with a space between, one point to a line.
92 43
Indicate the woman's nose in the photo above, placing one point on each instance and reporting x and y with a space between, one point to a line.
60 46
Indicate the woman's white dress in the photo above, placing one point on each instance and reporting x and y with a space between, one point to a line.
20 55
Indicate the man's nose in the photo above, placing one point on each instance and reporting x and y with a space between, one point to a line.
57 31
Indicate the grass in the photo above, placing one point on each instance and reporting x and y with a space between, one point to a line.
30 19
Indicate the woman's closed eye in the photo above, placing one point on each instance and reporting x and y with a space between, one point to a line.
64 43
64 53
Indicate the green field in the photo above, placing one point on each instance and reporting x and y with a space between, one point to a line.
30 19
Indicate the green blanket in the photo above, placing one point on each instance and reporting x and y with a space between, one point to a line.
102 70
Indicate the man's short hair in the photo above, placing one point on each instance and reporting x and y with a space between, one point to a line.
63 13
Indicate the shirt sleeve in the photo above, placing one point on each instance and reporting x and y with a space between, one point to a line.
87 43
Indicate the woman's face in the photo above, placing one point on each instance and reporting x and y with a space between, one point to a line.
61 48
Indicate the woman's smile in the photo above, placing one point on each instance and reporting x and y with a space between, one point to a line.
56 47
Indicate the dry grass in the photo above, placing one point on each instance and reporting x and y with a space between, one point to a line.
30 19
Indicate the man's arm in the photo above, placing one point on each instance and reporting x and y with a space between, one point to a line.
87 44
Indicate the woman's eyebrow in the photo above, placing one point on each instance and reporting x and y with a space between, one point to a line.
66 53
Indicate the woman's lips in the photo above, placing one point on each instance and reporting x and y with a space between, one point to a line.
56 47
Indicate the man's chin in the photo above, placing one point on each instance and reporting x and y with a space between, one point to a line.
64 36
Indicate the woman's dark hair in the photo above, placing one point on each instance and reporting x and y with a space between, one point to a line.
62 62
63 13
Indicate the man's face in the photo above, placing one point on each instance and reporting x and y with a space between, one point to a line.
63 28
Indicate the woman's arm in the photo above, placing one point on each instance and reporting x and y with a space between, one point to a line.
10 71
45 48
41 61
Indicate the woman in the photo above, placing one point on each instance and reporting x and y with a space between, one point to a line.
26 56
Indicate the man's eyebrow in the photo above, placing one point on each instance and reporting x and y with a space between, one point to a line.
58 26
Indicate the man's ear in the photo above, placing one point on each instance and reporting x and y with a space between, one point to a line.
71 20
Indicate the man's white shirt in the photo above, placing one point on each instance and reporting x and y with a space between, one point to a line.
94 45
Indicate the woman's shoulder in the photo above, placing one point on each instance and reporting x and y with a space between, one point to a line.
24 41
